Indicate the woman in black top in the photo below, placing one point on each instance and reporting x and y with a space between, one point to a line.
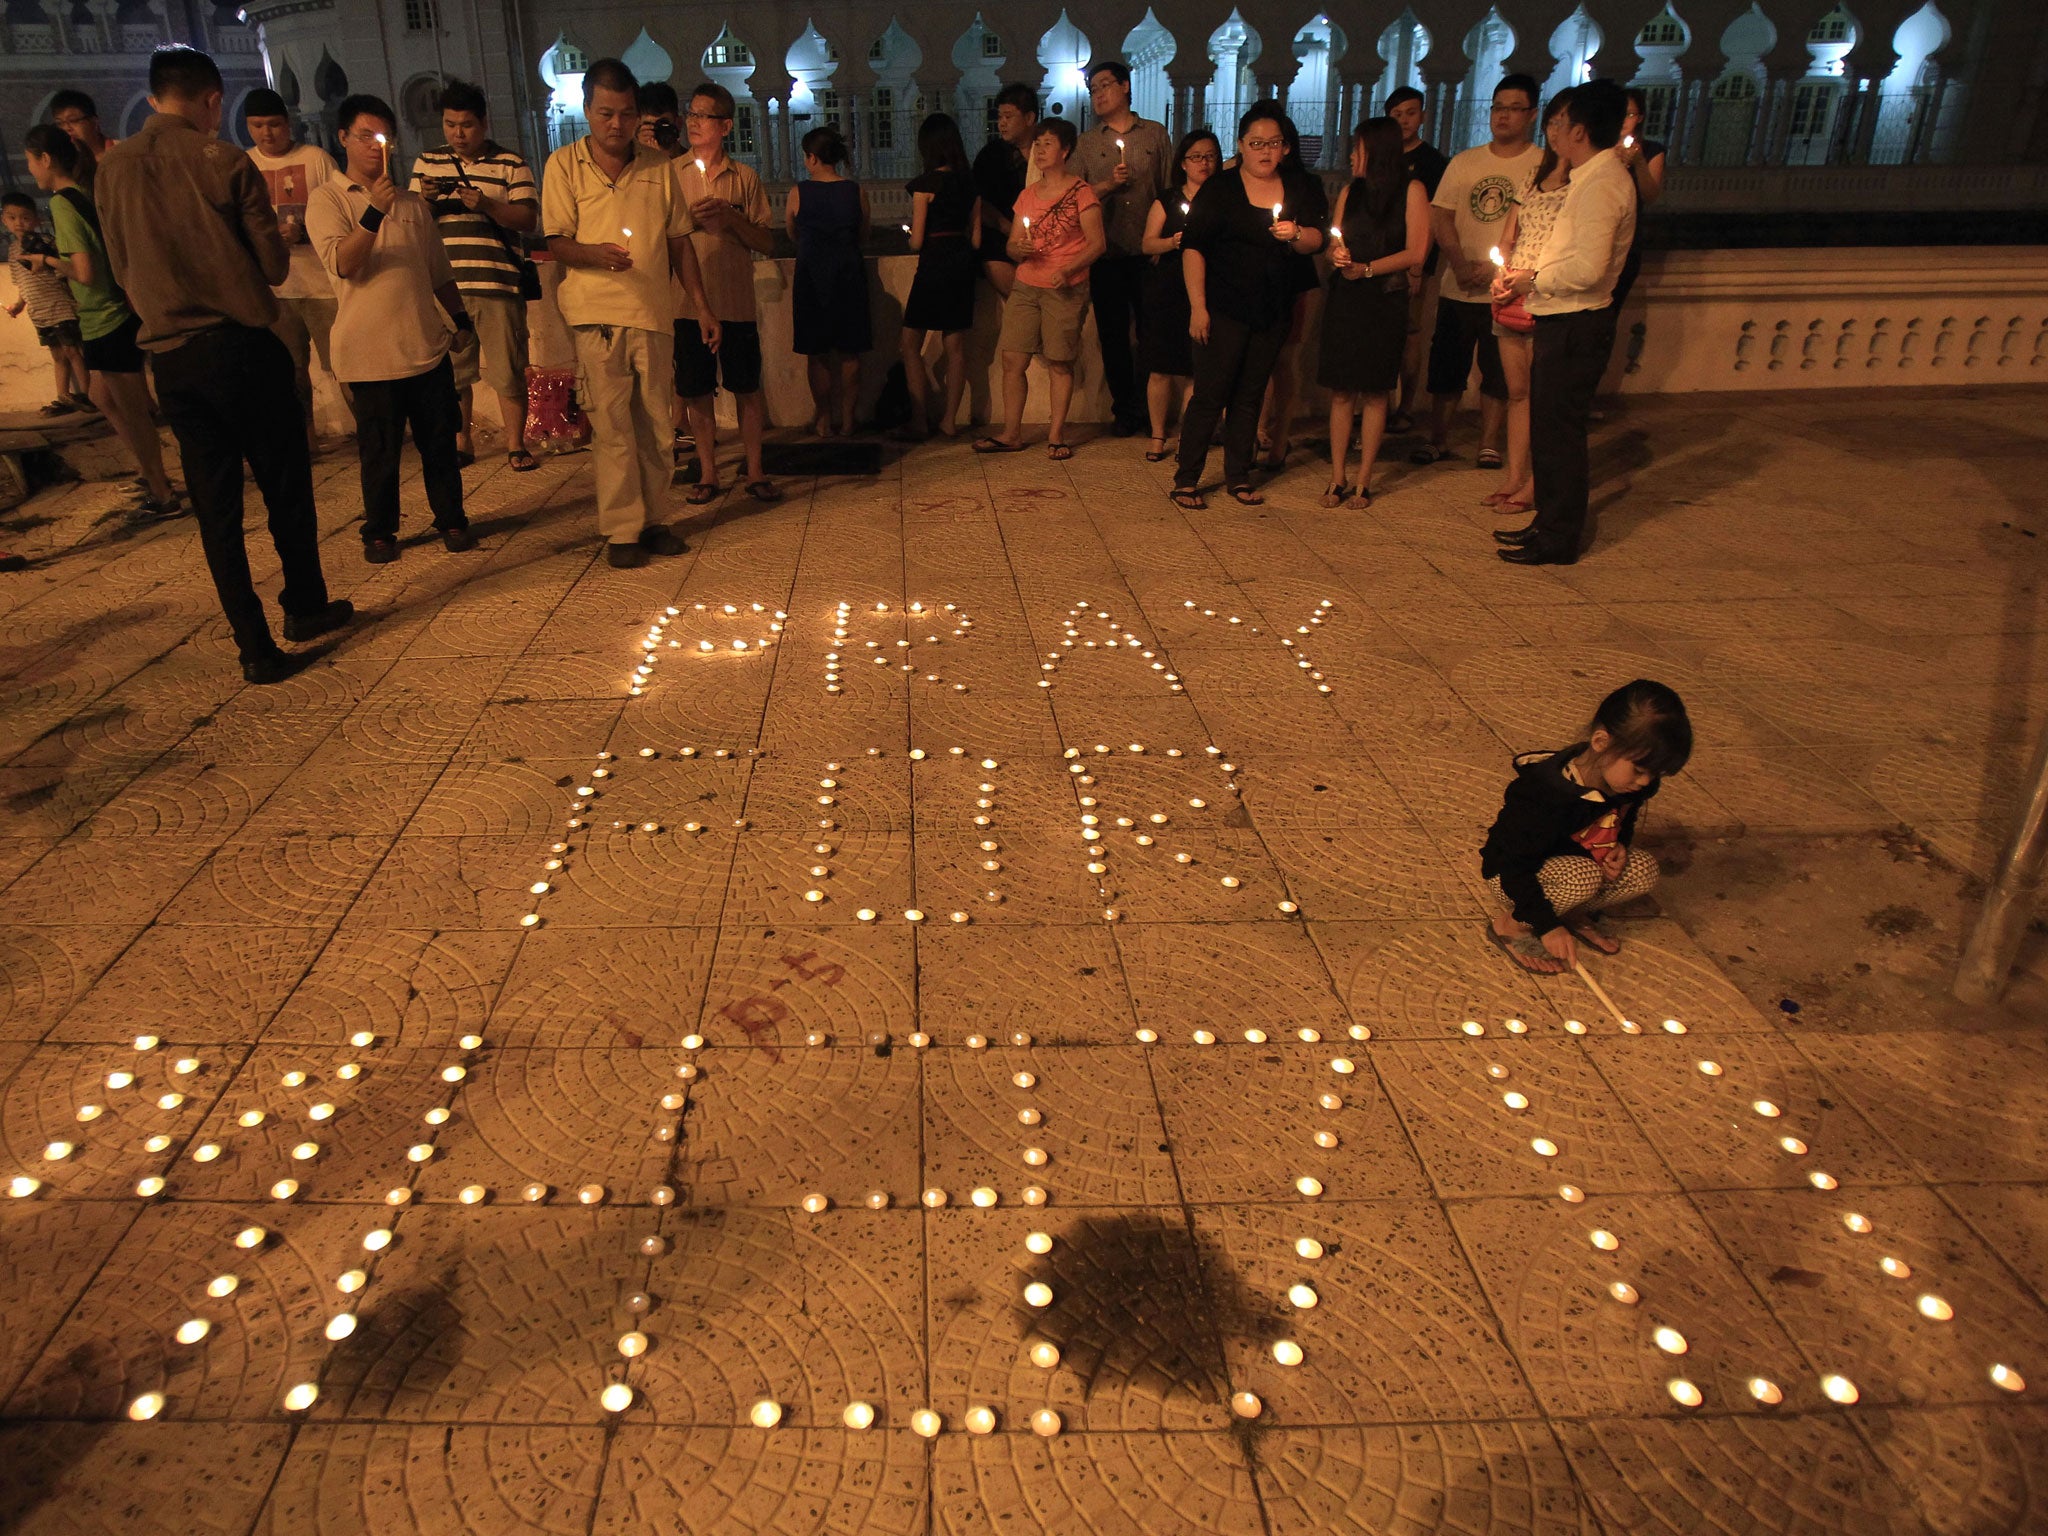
1378 235
1276 420
1234 256
1645 161
1165 352
945 231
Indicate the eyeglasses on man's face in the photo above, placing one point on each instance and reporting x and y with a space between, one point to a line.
707 117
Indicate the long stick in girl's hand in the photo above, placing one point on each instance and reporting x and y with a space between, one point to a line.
1601 993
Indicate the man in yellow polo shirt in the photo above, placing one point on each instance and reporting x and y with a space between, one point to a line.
615 222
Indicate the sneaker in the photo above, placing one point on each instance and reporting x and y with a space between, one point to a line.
658 540
154 511
380 551
308 626
456 540
274 668
623 557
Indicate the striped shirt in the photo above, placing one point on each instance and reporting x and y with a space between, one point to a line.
47 294
479 249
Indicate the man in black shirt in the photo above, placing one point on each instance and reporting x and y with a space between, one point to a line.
1425 163
1000 171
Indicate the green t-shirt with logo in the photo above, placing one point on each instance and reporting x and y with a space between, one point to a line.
102 307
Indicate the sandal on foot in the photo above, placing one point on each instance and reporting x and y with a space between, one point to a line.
464 458
1335 495
1187 498
764 491
1274 461
1513 508
1059 453
995 445
1429 453
1489 458
1154 455
1526 953
521 461
1586 931
702 494
57 408
1245 496
1362 498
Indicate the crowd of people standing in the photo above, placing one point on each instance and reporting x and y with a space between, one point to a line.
231 271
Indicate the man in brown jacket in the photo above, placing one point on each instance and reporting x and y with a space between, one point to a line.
192 238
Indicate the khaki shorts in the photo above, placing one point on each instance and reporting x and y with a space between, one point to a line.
496 350
1046 321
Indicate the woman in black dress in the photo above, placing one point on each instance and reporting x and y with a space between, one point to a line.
1276 421
1242 228
1164 351
1379 232
945 231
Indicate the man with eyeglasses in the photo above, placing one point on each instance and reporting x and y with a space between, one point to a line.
75 113
1466 218
726 210
1126 160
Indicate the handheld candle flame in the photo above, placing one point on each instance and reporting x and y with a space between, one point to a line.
1628 141
1494 256
1336 235
1120 151
625 231
1183 208
1276 213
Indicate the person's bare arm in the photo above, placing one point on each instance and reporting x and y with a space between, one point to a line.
450 298
606 257
860 232
522 218
1443 228
682 257
1094 243
1156 242
1194 271
974 225
1650 179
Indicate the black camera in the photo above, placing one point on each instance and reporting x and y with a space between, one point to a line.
667 132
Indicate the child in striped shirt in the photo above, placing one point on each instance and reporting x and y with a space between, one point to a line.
40 287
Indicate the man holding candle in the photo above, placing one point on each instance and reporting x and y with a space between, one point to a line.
726 215
1470 202
615 220
1126 161
193 241
397 314
1570 293
1001 171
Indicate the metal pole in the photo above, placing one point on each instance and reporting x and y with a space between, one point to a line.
2010 903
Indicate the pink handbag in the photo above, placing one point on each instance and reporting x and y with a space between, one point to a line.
1514 315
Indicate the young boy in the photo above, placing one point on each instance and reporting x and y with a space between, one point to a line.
1056 238
305 299
38 274
729 218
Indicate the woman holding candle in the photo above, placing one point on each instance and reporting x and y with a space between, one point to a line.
1056 238
1380 234
1165 353
1523 233
1234 259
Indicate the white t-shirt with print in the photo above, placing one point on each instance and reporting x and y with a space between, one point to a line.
292 178
1478 188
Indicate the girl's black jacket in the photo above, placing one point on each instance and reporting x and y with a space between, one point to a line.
1542 816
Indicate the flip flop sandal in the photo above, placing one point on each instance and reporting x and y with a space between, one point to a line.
1429 454
701 494
1489 458
1362 498
464 460
1188 499
764 491
1523 950
521 461
57 408
1595 937
1335 496
995 445
1059 453
1513 508
1154 455
1245 496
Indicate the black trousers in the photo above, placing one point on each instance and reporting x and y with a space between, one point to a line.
384 408
228 395
1231 371
1570 354
1117 284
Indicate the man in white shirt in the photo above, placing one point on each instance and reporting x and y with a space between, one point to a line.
399 313
1571 295
1467 213
305 299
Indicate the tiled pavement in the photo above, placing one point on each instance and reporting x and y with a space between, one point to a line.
325 900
